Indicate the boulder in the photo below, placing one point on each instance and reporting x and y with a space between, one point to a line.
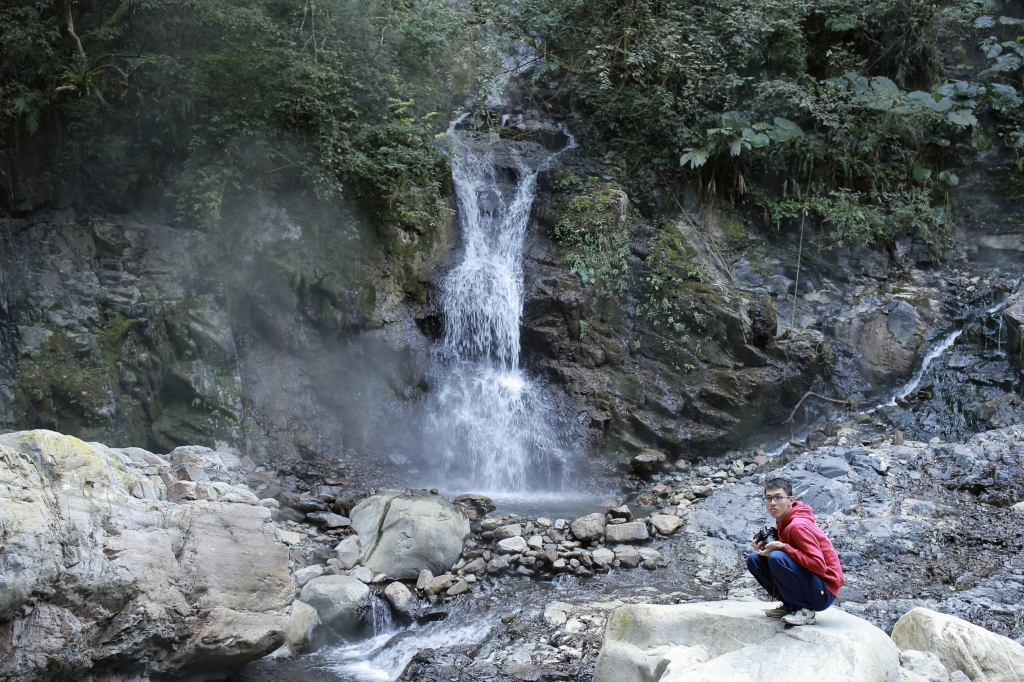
588 528
201 585
336 599
402 535
305 633
973 650
475 506
648 462
399 596
349 551
666 524
726 641
633 531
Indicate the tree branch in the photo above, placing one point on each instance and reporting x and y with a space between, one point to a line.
812 394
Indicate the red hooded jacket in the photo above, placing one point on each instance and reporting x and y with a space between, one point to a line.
808 546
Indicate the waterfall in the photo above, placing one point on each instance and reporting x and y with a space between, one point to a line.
489 424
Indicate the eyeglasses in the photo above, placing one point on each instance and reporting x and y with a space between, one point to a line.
768 499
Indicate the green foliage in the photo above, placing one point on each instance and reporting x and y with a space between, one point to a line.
831 108
594 229
222 100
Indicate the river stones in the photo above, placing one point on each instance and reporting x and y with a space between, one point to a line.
511 530
734 641
648 462
402 534
475 506
980 654
201 584
399 596
666 524
588 528
633 531
336 599
349 551
326 519
513 545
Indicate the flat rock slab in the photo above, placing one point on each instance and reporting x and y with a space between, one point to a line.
734 642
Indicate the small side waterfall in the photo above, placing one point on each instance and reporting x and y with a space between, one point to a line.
489 425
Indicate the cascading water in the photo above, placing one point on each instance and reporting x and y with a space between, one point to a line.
489 425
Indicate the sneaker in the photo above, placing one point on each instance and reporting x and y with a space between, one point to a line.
780 611
801 617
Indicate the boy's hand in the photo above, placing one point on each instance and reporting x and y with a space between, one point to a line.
771 547
756 545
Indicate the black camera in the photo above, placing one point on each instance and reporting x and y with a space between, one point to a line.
766 535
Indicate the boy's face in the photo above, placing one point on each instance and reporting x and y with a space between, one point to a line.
778 503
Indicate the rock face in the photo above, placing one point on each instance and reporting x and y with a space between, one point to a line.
99 573
719 641
401 536
978 653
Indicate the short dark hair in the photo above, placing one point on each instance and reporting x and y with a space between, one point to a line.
782 483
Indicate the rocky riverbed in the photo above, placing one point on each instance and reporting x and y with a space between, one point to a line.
507 596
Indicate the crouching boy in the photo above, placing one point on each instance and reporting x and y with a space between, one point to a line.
801 569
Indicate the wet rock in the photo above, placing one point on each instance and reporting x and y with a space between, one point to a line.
475 566
349 551
401 535
665 524
475 506
432 586
633 531
498 564
305 633
602 556
458 588
96 547
622 512
511 530
648 462
588 528
960 645
336 599
627 556
399 596
326 519
733 640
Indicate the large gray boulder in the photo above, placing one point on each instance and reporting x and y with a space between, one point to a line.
336 599
981 655
97 572
402 535
733 641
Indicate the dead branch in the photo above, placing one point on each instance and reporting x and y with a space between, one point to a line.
812 394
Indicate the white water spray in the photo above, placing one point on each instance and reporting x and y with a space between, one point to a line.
489 425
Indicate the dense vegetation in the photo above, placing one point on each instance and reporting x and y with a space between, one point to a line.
841 111
838 110
215 100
